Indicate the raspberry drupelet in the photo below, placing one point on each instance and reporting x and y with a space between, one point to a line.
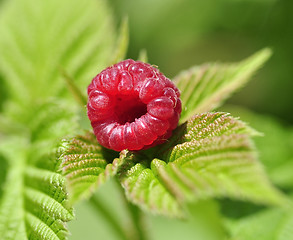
132 105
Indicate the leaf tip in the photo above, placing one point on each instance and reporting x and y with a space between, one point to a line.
143 57
260 57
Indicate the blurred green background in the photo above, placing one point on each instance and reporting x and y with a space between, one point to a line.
180 33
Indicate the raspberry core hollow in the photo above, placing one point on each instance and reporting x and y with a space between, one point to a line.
132 105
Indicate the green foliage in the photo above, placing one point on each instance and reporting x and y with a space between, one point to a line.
214 157
143 188
204 220
209 156
84 165
91 220
218 157
34 197
122 44
270 224
34 201
3 173
40 41
278 158
274 223
34 204
37 39
203 88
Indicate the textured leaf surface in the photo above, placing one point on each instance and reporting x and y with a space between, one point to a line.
144 189
85 166
214 159
205 87
37 39
218 155
34 203
278 158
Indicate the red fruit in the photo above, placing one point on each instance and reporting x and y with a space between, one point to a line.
131 105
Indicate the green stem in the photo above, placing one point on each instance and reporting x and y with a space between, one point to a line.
136 217
117 227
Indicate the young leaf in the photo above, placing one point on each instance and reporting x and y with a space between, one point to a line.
84 165
205 87
214 159
34 203
145 190
86 168
278 159
218 158
48 35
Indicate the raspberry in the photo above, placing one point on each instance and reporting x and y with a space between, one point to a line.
132 105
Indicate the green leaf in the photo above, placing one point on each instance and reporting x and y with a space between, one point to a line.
123 41
204 88
85 165
3 173
34 204
145 190
48 35
86 168
271 224
218 158
277 159
34 201
51 121
214 159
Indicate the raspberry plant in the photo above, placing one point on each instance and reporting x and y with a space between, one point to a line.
51 160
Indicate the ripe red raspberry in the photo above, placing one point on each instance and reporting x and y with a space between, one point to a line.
131 105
